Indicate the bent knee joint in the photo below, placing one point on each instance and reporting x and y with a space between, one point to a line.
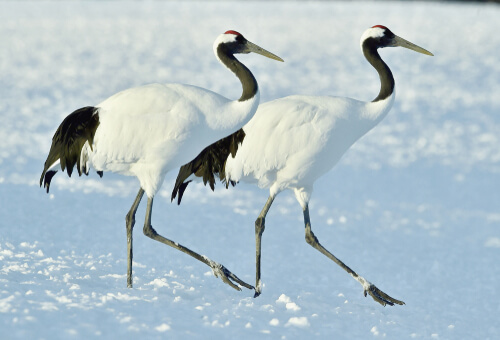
311 238
260 225
130 218
149 231
129 222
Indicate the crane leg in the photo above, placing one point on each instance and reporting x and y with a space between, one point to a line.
218 269
259 230
129 222
369 288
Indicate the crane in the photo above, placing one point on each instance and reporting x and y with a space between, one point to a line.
291 142
149 130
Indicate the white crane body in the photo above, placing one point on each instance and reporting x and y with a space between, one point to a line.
291 142
144 139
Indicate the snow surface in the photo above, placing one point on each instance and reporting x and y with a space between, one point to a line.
413 206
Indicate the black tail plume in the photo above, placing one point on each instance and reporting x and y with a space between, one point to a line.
210 161
75 130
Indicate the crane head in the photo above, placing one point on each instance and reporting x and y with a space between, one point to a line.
380 36
233 42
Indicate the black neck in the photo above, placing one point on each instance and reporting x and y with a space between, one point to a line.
385 74
246 77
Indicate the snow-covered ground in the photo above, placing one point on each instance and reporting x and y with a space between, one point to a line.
413 206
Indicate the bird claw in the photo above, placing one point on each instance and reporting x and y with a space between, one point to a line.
381 297
227 276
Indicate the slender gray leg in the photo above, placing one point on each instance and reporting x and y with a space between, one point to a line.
130 221
259 230
218 269
368 287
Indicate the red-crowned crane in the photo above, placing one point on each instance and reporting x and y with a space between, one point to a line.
149 130
292 141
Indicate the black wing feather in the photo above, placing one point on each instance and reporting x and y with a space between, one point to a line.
75 130
210 162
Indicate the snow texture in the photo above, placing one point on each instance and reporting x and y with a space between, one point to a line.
413 206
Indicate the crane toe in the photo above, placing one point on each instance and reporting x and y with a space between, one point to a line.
228 277
381 297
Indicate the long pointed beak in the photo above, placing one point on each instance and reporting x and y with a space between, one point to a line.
398 41
251 47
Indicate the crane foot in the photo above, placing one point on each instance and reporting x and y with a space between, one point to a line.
380 296
227 276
